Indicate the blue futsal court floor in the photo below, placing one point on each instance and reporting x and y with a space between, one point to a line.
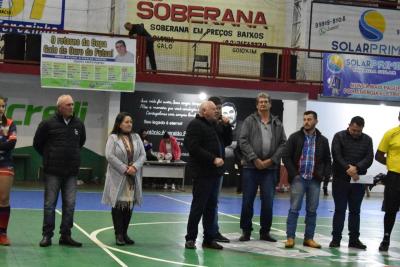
159 227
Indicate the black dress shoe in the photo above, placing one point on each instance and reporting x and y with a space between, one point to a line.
357 244
334 244
384 246
67 240
190 244
212 245
45 242
244 237
128 240
119 240
267 237
220 238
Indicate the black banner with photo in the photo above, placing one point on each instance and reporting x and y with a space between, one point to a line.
171 112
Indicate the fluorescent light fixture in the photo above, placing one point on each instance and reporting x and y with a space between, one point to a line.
202 96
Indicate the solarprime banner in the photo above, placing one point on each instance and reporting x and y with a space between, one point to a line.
354 29
88 62
31 14
364 77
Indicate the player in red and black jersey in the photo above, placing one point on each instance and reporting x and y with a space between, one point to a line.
8 139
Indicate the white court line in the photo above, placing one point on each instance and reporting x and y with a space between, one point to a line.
94 234
222 213
101 245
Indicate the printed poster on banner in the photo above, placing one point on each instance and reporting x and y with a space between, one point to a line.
362 77
88 62
352 29
31 14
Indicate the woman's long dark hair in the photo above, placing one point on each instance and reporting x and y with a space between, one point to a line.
3 118
118 120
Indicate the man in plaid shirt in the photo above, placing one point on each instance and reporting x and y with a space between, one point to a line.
308 161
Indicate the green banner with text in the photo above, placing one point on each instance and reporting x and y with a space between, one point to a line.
88 62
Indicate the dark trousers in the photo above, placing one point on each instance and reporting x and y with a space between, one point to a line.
325 183
216 226
252 178
150 54
53 184
121 218
347 194
239 178
204 204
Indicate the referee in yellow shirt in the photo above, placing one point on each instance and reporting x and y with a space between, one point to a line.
388 153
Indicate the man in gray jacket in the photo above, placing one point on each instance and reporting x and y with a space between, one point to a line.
261 142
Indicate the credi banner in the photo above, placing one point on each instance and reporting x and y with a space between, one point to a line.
353 29
366 77
29 105
88 62
22 113
34 14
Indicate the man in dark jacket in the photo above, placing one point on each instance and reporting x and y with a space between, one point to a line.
308 161
224 131
59 140
352 154
138 29
205 168
261 142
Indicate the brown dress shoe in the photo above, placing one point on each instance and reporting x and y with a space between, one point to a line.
289 243
311 243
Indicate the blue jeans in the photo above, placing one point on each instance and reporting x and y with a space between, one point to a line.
216 226
252 178
53 185
204 204
298 188
345 194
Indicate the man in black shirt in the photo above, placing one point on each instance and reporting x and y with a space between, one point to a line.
205 167
138 29
59 140
352 154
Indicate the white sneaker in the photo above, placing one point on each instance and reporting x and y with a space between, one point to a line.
165 186
173 187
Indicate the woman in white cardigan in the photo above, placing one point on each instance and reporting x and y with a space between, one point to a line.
123 186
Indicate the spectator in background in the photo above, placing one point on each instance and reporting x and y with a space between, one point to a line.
169 145
8 139
148 146
138 29
59 140
123 186
123 55
169 150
